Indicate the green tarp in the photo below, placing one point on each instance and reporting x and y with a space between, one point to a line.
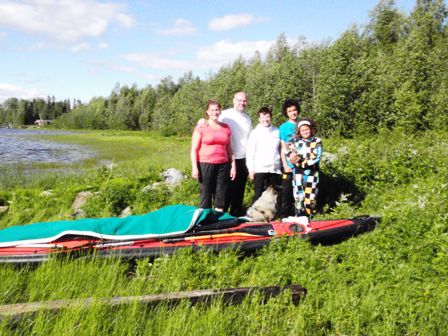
165 222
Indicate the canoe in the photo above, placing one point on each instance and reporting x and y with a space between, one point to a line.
247 237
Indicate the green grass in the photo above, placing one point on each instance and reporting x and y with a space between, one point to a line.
391 281
123 146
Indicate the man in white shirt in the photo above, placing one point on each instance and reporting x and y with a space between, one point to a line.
240 125
263 154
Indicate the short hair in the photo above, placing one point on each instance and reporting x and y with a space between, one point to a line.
289 103
211 102
264 110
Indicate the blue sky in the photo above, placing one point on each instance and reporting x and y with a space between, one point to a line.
82 48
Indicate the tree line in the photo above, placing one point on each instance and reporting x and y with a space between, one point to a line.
25 112
389 73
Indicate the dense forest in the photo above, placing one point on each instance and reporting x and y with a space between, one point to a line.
389 73
25 112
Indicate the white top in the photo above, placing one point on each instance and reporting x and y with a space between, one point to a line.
240 125
263 150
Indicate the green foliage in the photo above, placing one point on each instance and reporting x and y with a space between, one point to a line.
25 112
114 195
391 73
391 281
4 197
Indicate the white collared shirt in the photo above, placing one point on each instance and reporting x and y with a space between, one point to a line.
240 125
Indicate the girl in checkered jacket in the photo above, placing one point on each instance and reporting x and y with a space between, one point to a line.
305 152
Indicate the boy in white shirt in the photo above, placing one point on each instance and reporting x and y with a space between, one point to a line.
263 154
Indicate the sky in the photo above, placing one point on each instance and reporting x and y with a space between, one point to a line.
80 49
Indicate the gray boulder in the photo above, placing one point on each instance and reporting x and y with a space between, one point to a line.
172 176
126 212
79 202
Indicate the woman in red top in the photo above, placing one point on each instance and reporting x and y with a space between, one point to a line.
212 159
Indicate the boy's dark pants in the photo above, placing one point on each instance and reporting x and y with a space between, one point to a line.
287 199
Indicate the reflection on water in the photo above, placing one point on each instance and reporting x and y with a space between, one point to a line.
18 146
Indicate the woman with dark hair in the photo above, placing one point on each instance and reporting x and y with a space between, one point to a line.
212 159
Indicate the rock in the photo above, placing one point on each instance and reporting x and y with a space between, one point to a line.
126 212
151 187
172 176
46 193
79 202
329 157
3 209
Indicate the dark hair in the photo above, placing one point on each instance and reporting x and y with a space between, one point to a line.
264 110
289 103
312 126
211 102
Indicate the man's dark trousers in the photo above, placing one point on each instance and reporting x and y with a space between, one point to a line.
235 195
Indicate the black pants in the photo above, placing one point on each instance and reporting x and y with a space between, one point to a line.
287 201
213 184
264 180
235 194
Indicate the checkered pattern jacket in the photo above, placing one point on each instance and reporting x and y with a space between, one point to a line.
309 150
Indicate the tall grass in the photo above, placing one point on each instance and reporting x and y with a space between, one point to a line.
391 281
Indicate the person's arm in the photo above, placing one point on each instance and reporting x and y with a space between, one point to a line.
195 145
284 150
250 155
232 160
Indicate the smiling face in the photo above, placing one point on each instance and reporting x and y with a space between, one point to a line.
213 111
240 102
264 119
305 132
292 113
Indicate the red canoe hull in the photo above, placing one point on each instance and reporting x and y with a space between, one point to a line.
246 237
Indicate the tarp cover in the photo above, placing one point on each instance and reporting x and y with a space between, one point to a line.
168 221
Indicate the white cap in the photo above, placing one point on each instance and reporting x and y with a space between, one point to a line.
303 122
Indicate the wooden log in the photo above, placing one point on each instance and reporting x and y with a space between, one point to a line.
14 312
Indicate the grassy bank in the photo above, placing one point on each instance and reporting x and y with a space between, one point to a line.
392 281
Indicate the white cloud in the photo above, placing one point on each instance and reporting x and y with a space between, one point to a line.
10 90
150 60
80 47
207 57
36 46
224 52
230 21
181 27
111 66
2 35
63 20
103 45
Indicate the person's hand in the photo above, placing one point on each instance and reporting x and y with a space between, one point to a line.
195 173
251 175
232 172
202 122
294 158
287 169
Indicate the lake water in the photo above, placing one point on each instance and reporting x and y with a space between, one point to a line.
20 146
